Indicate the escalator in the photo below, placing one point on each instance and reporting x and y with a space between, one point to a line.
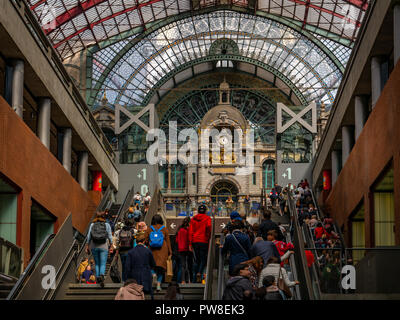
57 258
76 291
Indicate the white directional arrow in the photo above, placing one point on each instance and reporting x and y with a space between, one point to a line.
173 225
223 225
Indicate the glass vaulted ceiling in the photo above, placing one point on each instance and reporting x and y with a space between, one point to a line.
73 25
287 53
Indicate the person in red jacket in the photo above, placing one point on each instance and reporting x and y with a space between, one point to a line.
199 236
319 231
182 240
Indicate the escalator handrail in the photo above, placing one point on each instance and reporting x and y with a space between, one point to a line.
210 261
120 217
299 246
311 244
292 264
221 270
155 205
31 266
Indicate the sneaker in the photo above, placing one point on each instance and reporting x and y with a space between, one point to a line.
158 287
101 281
154 280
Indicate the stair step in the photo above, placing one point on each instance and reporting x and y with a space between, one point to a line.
95 292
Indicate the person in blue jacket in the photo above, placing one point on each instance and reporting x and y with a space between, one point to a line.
237 244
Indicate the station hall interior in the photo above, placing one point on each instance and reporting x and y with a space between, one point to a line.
316 83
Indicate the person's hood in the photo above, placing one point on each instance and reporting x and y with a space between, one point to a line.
200 217
134 289
272 288
234 280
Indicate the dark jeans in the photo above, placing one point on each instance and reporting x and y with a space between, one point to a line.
200 258
184 263
123 261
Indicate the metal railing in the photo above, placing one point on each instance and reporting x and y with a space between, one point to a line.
11 259
376 270
31 266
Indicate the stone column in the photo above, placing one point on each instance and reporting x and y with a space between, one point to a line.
18 87
67 148
376 79
83 173
169 178
361 114
44 121
396 17
335 166
347 142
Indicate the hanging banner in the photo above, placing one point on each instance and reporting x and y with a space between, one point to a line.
327 180
97 180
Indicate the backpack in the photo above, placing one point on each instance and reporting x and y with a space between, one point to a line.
99 233
156 238
125 239
137 214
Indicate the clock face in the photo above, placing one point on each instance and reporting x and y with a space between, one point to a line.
223 140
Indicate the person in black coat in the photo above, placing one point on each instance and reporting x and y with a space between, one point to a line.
237 243
239 287
267 225
139 263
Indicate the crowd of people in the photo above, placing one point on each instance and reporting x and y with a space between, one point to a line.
324 237
146 253
258 259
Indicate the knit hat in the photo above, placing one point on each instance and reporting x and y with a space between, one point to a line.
202 209
235 216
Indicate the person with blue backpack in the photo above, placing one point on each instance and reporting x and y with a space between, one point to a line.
157 238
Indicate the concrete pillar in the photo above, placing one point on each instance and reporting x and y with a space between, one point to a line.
396 11
44 121
169 177
18 87
347 142
67 147
83 173
376 79
335 166
361 114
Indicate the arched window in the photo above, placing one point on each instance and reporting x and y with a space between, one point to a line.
269 174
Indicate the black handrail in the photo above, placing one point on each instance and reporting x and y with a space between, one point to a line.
221 269
120 217
210 261
301 261
31 266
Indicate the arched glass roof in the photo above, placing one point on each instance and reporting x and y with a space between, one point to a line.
73 25
311 64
